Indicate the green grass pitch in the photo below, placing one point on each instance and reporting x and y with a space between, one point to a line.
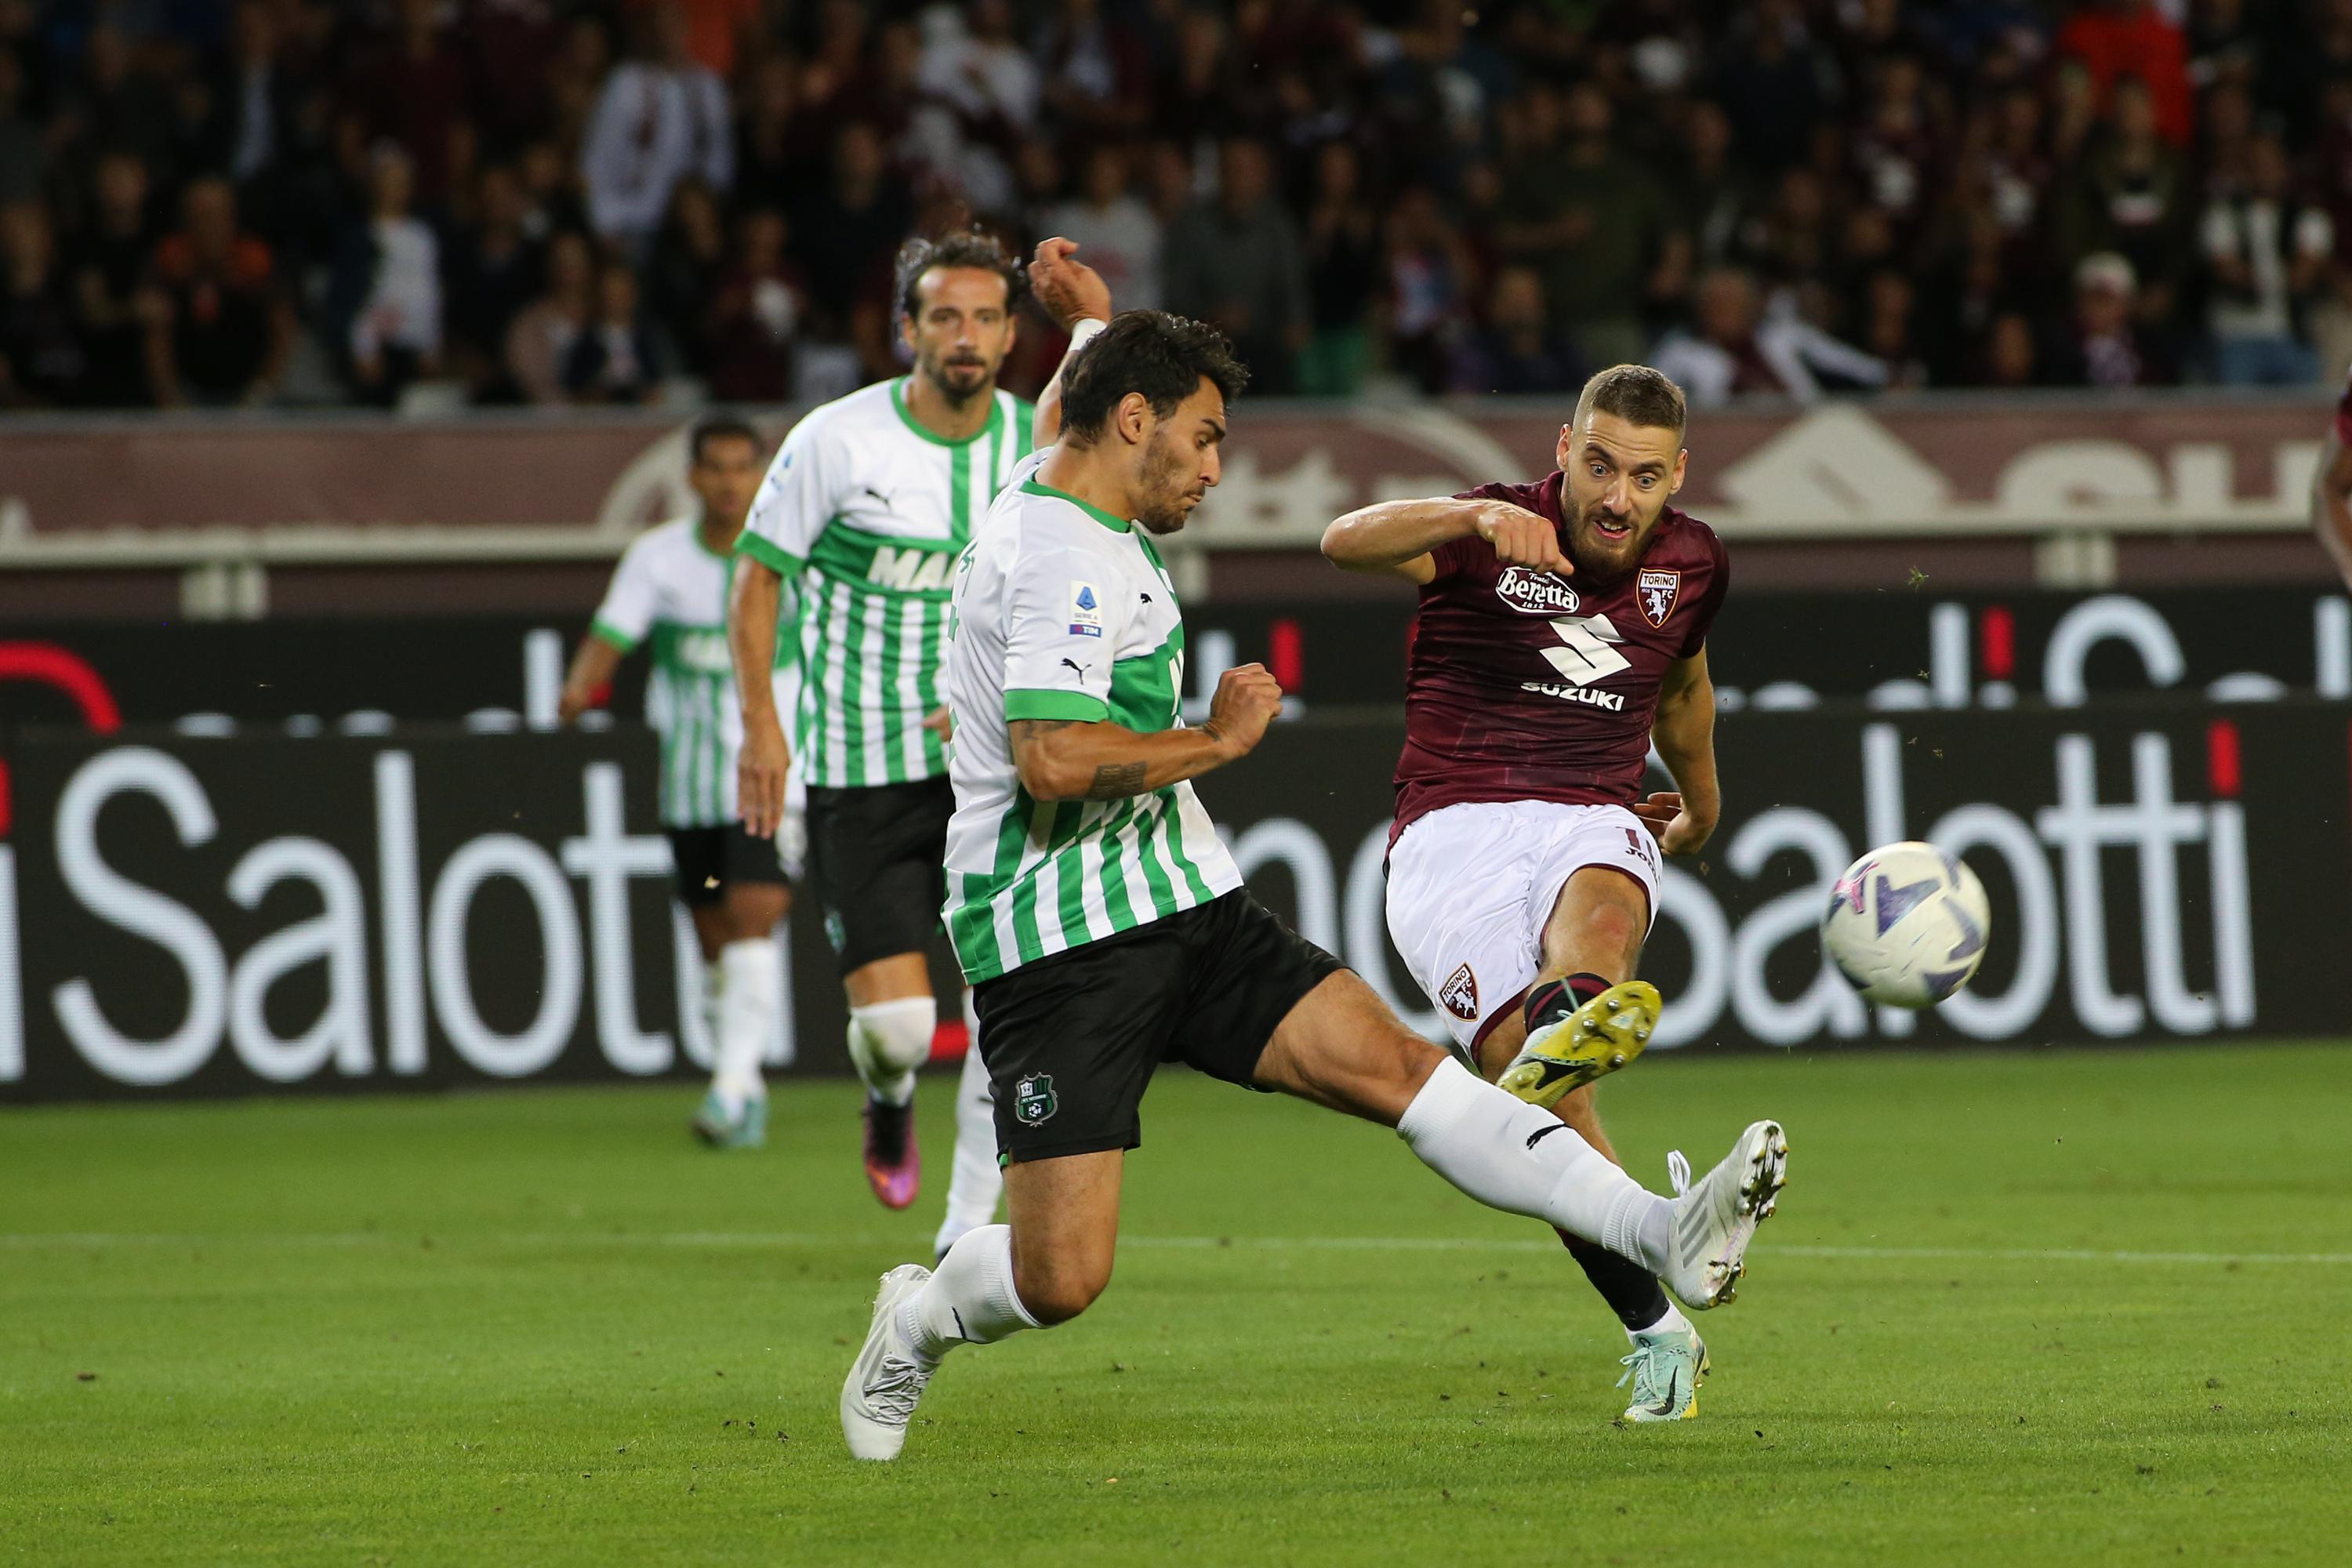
2077 1307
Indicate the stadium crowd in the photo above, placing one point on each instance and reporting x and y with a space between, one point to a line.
251 202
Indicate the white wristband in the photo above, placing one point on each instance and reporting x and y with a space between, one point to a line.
1083 331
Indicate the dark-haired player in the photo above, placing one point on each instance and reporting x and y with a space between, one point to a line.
1105 928
1562 633
669 595
865 510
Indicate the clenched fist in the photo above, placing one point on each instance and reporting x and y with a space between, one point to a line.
1522 538
1246 701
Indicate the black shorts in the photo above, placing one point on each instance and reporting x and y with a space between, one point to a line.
1070 1041
877 857
709 860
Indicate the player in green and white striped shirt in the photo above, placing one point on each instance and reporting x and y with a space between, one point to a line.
1105 930
669 595
863 512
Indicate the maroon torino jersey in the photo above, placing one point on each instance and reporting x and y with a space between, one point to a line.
1527 685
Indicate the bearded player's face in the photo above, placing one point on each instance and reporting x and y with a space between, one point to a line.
960 330
1620 476
1180 461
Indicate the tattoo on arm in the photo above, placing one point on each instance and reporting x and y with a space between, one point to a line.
1117 781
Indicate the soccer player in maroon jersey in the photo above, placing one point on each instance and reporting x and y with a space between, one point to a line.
1562 634
2331 489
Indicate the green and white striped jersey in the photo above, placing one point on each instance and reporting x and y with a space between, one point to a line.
1064 611
867 510
670 591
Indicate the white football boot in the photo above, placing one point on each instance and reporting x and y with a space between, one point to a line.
1715 1220
878 1399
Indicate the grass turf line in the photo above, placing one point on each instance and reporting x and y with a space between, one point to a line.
542 1327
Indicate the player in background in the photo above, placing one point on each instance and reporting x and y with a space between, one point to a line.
864 510
670 595
1562 633
2331 490
1104 927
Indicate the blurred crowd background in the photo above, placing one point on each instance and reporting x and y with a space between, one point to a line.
426 204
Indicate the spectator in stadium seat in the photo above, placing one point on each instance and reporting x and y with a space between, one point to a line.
415 89
2268 252
2105 344
1095 74
219 327
846 231
756 323
108 263
616 358
982 90
1428 289
1890 327
2130 196
1773 82
494 270
2010 358
714 30
776 144
682 274
2123 40
1116 233
1343 250
1737 351
1515 352
538 340
1894 152
387 286
661 117
1716 202
21 154
1234 263
41 361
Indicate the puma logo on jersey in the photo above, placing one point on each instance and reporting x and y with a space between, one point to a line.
909 571
1590 696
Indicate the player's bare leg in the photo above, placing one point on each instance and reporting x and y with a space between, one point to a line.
743 995
1591 944
892 1014
1584 1015
1045 1267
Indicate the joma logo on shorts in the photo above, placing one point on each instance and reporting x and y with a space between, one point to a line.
911 571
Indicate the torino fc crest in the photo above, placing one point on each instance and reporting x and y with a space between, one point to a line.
1658 589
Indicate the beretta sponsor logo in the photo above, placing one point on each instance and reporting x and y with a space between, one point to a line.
1535 593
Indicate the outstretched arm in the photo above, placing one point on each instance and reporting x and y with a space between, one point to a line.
2331 505
1397 536
1074 294
1683 733
1065 759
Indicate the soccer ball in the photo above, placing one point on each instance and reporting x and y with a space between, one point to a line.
1907 924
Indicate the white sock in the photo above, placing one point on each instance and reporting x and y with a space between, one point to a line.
1673 1322
888 1040
978 1182
971 1299
1522 1160
714 982
749 998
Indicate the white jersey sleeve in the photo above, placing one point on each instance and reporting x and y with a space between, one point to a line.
1063 619
632 601
795 500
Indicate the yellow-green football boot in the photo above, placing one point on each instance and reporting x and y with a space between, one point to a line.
1598 1038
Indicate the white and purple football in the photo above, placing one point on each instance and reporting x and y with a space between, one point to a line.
1907 924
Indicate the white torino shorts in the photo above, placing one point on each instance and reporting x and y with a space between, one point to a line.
1471 886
